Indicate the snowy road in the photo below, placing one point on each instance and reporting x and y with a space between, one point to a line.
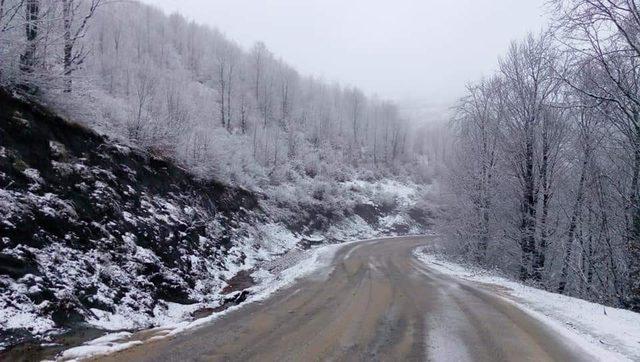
374 302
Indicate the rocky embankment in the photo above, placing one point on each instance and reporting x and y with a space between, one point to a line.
97 233
91 228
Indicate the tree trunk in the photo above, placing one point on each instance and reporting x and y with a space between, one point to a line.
540 254
1 26
68 44
487 159
229 90
243 115
633 242
255 140
222 96
528 211
31 29
573 223
375 145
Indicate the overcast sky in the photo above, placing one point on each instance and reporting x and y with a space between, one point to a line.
424 50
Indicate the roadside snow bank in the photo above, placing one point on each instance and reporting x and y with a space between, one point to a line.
302 264
100 346
588 324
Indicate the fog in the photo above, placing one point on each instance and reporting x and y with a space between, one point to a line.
414 51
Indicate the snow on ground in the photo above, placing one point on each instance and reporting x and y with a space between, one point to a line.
283 273
280 239
353 227
25 314
404 193
593 326
97 348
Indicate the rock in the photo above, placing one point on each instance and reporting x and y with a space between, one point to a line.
18 266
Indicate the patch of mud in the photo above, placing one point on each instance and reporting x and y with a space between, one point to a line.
37 351
241 281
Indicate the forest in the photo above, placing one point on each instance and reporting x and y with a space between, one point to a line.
541 176
544 180
185 91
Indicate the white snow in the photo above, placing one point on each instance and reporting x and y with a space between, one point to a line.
316 262
315 238
109 338
33 174
353 227
129 218
403 193
56 148
93 350
391 220
25 314
610 334
280 239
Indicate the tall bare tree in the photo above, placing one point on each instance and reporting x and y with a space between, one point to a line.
32 19
75 17
529 83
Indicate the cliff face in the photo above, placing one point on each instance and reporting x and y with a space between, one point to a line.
91 228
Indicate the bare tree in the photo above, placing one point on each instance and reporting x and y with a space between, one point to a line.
584 128
528 72
477 124
9 10
243 113
71 14
32 15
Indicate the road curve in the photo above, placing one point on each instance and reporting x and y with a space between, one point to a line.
378 303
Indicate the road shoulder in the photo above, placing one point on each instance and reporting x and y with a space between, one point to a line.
607 333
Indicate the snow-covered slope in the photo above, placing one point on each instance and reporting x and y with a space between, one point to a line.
97 233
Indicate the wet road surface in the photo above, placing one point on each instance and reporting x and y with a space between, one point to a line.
375 302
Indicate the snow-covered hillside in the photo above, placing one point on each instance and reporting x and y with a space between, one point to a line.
99 234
